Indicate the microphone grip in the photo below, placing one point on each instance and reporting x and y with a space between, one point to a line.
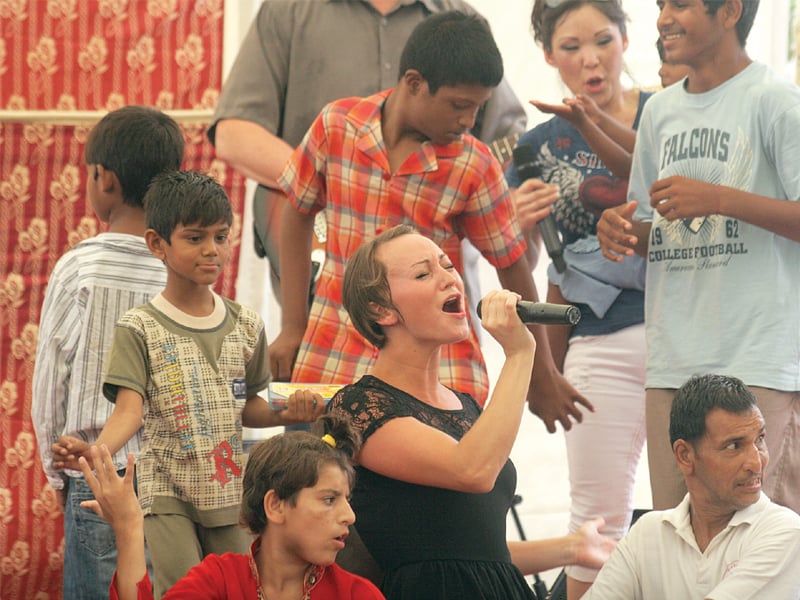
552 242
545 313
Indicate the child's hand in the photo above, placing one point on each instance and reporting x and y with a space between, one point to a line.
587 105
614 232
571 110
115 499
303 406
66 452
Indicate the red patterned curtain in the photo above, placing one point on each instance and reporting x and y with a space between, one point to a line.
69 56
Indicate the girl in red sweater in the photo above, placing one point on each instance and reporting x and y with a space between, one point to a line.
295 500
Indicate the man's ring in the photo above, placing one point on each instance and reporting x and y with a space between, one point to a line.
314 403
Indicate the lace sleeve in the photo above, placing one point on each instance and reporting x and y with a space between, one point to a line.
370 403
367 406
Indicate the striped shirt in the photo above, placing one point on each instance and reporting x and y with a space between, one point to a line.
91 287
445 192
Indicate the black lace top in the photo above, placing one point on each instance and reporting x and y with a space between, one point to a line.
430 542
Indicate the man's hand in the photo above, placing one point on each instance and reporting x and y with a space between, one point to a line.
66 452
553 399
283 352
684 198
614 232
592 548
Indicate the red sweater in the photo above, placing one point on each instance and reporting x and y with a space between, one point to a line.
229 577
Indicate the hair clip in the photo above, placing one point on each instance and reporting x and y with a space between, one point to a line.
328 439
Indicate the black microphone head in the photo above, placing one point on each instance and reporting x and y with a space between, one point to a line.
525 162
524 153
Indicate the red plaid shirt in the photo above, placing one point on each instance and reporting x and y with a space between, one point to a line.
445 192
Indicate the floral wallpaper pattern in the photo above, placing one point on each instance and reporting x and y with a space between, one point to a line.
76 55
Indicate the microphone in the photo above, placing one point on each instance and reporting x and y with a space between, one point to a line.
525 163
545 313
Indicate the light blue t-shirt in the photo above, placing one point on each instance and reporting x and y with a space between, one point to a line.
722 296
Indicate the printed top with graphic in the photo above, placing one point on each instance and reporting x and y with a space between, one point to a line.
609 295
446 192
722 295
195 375
430 542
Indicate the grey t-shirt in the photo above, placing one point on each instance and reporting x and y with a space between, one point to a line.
299 55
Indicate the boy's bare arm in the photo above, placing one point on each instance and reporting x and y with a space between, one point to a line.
558 335
295 261
683 198
303 406
122 425
550 397
611 140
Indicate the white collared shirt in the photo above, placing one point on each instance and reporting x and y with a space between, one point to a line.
756 556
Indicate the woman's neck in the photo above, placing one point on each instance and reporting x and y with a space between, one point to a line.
624 106
417 374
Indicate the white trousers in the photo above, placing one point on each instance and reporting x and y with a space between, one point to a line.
603 451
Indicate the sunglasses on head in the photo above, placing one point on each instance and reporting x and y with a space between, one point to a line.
557 3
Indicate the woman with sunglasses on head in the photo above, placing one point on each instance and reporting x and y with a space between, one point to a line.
604 355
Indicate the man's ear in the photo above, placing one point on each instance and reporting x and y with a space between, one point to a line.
684 455
156 244
274 507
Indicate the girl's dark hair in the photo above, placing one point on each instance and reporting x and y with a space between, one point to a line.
292 461
185 198
544 19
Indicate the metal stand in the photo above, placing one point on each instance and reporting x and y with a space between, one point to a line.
539 586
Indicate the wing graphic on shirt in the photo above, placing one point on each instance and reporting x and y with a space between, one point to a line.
572 217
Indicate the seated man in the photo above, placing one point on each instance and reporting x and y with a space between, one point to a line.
726 539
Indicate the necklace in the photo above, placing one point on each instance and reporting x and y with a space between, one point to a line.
310 579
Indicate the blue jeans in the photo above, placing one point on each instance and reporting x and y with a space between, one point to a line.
90 550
